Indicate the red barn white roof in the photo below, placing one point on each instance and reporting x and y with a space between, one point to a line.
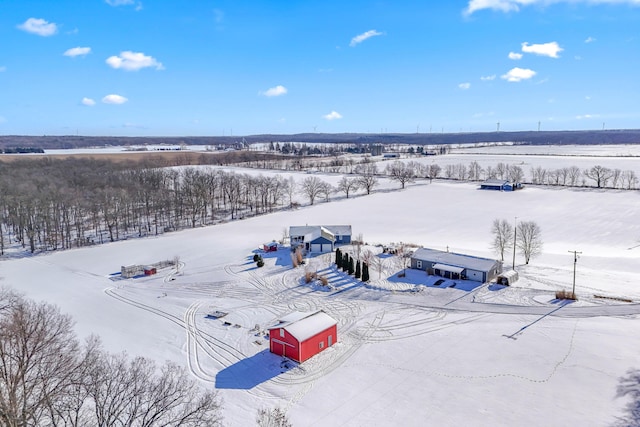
303 326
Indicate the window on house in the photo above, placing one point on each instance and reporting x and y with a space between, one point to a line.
321 345
282 333
419 264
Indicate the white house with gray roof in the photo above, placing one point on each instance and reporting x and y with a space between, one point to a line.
455 266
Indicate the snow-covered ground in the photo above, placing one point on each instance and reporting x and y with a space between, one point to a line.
409 353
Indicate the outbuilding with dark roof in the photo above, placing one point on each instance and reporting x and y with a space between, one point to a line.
455 266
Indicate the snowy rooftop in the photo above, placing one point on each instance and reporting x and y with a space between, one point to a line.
301 230
454 259
305 325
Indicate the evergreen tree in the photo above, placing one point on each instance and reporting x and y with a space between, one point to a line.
351 266
365 272
338 258
358 272
345 262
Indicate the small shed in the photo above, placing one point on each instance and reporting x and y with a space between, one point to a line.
150 270
299 336
507 278
270 247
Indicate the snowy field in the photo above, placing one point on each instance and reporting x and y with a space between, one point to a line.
408 352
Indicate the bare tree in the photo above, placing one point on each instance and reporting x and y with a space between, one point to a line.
615 177
629 179
38 355
325 190
599 174
136 392
275 417
434 171
311 187
501 170
348 185
502 232
529 240
574 175
48 378
515 174
401 172
367 176
475 171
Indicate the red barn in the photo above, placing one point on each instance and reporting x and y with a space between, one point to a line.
300 336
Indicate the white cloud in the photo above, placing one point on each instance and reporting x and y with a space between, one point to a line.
518 74
133 61
89 102
275 91
77 51
2 120
589 39
39 26
332 115
3 69
515 5
587 116
364 36
464 86
515 56
488 78
550 49
114 99
587 98
218 15
119 2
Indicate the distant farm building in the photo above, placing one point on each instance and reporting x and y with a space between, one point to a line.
391 156
150 270
299 336
451 265
500 185
319 238
270 247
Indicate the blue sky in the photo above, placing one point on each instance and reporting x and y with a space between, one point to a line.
233 67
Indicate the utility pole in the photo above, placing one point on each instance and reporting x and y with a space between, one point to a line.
575 261
498 127
538 126
515 233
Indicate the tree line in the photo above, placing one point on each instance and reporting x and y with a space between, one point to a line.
58 204
49 378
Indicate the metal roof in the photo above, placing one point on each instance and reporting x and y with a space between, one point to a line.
302 230
303 326
454 260
448 268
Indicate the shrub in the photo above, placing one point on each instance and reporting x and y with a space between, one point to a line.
566 295
309 276
260 262
256 257
324 280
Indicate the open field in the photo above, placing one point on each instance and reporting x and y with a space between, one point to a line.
409 353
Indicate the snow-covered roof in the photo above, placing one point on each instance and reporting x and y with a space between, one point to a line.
303 326
303 230
449 268
493 181
452 259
